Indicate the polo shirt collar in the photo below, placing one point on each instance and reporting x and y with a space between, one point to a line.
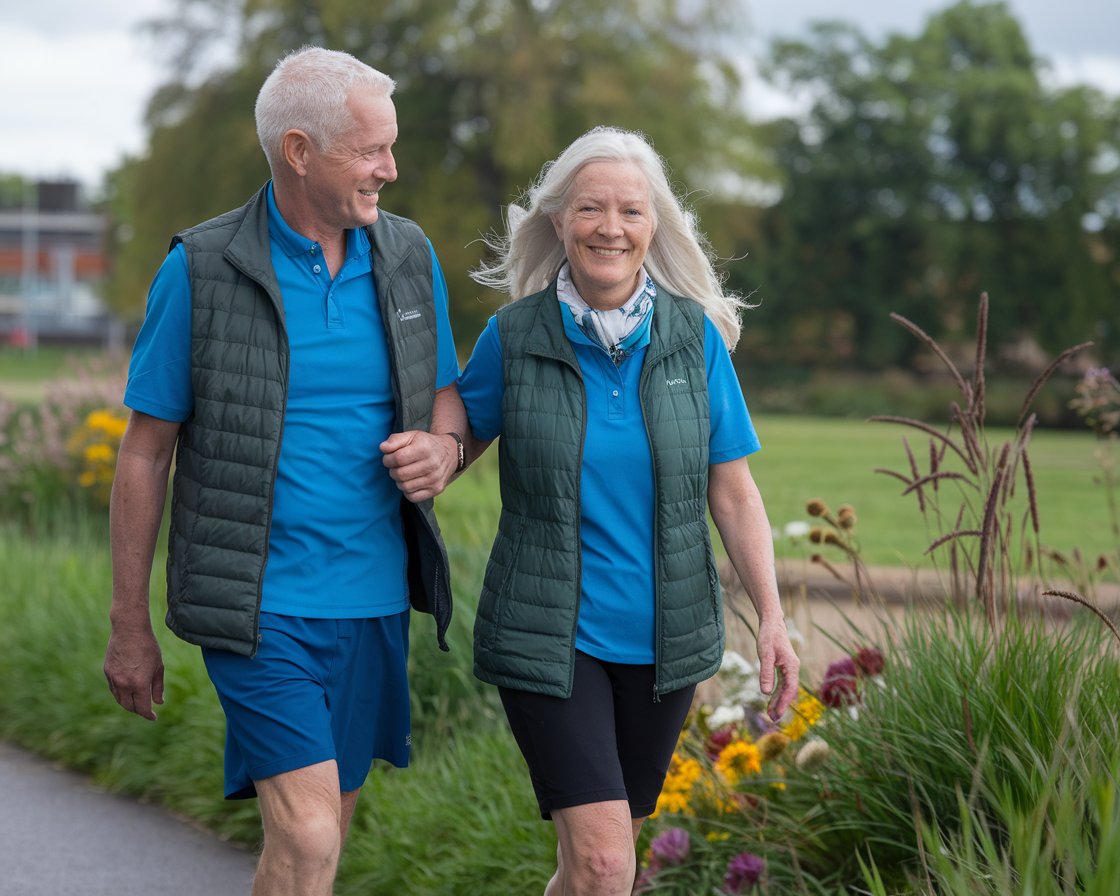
294 244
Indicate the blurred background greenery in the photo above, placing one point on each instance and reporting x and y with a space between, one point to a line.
918 170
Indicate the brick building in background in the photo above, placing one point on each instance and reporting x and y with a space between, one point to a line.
52 260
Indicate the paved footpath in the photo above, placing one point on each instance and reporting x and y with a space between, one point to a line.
60 836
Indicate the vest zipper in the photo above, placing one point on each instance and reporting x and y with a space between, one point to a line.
579 528
272 488
643 382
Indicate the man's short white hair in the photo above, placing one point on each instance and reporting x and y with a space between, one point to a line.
308 91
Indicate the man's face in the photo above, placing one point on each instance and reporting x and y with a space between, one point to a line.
345 180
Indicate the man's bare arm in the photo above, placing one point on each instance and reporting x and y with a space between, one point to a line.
133 663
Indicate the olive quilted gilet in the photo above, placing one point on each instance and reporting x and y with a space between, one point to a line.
525 630
228 450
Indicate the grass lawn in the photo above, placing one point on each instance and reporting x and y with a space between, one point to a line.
24 373
801 458
40 364
832 459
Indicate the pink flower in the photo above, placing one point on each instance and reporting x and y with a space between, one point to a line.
717 740
869 660
743 871
839 686
670 847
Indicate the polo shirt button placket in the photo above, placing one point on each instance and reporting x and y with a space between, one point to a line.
615 400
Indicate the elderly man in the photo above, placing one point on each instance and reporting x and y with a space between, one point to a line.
297 361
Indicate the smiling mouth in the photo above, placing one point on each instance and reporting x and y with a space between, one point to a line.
608 253
369 193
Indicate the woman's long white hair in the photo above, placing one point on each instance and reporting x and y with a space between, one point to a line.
679 258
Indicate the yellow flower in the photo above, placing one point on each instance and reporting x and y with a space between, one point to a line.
99 454
795 728
671 802
780 773
110 423
93 447
676 795
738 760
806 713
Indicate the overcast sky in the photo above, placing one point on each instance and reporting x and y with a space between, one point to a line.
74 74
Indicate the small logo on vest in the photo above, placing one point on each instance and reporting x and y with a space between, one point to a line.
679 381
410 314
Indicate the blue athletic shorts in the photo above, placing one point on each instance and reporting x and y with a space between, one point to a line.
609 741
318 689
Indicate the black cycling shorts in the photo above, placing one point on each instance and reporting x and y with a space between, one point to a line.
609 741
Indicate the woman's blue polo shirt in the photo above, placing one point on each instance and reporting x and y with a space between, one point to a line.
616 610
336 548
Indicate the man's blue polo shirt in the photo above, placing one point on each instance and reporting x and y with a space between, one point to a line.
336 548
616 613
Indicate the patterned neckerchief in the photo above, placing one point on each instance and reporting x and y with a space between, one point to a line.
617 330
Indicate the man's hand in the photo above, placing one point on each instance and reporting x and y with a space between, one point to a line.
134 669
421 463
776 652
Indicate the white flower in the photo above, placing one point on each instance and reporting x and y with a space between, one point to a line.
727 714
738 680
812 755
735 663
796 529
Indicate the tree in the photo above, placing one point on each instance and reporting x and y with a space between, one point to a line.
932 168
487 91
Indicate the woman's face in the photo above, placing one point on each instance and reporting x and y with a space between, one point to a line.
606 226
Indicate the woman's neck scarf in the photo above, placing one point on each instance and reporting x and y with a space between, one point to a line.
617 331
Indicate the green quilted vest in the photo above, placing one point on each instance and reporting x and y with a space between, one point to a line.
526 624
226 460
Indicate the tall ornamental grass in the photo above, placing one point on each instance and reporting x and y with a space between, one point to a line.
971 734
963 734
1067 842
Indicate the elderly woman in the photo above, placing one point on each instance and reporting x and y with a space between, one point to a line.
621 422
